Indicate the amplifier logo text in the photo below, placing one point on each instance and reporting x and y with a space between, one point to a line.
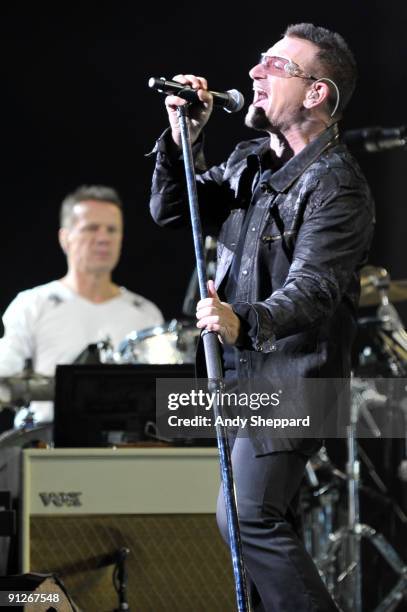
61 499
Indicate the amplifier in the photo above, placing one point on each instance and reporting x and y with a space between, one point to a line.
81 506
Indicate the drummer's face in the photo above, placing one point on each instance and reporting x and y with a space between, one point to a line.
92 242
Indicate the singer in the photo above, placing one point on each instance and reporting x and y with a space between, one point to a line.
294 218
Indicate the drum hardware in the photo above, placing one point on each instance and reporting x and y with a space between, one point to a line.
171 343
380 347
361 410
345 542
97 352
375 353
319 507
383 496
377 288
324 480
396 292
19 391
106 350
39 436
385 340
394 337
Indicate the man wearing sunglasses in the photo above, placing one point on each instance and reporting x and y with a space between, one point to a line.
294 219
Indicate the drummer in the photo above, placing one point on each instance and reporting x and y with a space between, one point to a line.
53 323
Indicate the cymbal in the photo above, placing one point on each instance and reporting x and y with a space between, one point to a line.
22 388
374 282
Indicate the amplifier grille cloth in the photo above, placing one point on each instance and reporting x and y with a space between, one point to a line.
177 563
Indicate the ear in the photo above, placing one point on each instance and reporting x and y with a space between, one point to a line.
316 94
63 238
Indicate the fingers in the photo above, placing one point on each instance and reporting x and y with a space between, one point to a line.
200 84
213 298
198 114
209 323
213 302
171 102
191 80
211 289
209 310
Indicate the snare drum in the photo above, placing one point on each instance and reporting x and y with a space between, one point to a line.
171 343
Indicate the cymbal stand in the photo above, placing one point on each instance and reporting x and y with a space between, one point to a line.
395 345
347 539
318 517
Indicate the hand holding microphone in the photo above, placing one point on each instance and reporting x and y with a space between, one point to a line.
198 114
186 88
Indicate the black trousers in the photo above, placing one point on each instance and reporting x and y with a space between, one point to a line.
281 575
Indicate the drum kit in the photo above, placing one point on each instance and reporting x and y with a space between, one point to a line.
360 567
331 497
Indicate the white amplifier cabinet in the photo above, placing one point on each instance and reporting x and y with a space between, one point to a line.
82 505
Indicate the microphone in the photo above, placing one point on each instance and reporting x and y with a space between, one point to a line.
374 139
231 101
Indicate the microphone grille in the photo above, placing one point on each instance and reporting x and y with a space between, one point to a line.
235 102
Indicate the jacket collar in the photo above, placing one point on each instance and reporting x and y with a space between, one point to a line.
283 178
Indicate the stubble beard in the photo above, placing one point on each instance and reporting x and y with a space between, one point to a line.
257 119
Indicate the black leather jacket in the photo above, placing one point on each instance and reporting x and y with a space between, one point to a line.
314 220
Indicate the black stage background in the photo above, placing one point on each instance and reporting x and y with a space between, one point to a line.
76 109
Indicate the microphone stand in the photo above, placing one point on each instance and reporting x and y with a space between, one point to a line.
215 378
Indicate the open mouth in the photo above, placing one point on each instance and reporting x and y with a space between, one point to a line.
259 96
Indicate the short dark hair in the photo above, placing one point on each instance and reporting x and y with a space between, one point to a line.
334 57
100 193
